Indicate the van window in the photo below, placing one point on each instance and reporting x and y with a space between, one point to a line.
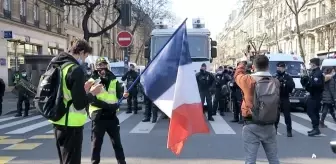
118 71
293 68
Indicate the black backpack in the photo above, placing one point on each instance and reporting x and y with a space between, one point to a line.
49 96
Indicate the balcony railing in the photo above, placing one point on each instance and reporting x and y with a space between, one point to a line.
329 17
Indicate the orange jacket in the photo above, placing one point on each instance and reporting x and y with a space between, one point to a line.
246 84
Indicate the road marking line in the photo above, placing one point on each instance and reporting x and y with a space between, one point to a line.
124 116
299 128
145 127
10 141
304 116
6 159
23 146
29 128
220 126
7 119
52 131
279 134
20 122
3 137
42 137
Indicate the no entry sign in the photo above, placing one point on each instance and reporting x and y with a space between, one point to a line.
124 39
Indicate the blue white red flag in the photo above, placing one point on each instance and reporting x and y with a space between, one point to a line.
170 82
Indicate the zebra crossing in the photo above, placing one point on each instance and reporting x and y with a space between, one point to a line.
221 126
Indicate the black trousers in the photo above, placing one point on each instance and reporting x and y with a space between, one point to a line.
150 108
313 109
327 107
69 144
285 108
132 100
236 108
22 99
205 95
1 99
219 102
112 128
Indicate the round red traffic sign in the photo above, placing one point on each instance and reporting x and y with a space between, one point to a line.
124 39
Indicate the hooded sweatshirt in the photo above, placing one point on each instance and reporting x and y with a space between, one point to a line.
75 80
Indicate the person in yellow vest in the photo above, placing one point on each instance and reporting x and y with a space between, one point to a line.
77 94
103 113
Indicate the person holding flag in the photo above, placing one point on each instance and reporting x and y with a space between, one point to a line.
169 81
103 112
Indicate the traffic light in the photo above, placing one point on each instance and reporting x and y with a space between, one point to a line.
126 14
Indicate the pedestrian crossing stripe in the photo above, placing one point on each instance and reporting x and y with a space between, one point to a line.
6 159
145 127
220 126
23 146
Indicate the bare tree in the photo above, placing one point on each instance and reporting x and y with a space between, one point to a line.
296 8
257 42
91 6
270 22
144 12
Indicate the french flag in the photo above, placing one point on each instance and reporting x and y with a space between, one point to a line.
170 82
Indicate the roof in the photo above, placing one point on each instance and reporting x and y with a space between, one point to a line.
328 62
190 31
283 57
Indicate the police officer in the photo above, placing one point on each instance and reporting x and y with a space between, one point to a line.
22 98
132 99
206 83
314 84
77 94
150 109
237 99
222 91
286 87
103 113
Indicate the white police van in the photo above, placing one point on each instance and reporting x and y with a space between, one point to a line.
294 67
330 61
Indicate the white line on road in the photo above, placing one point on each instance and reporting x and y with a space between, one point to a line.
7 119
298 127
124 116
304 116
29 128
52 131
19 122
220 126
145 127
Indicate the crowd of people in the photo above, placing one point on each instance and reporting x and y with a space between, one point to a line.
256 99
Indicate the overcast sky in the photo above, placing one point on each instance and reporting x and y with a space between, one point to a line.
214 12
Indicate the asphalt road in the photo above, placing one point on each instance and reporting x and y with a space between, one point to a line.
28 140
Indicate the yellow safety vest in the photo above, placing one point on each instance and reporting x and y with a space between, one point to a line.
76 118
109 96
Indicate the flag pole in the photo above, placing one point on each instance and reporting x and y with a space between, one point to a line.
138 78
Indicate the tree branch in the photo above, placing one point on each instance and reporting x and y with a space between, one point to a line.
290 7
303 5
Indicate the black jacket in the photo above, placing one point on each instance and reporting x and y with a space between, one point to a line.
75 80
108 110
206 81
286 84
314 83
131 76
222 79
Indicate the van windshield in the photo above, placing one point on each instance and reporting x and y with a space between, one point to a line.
293 68
118 71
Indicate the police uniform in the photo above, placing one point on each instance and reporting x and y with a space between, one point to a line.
206 83
132 99
222 91
314 84
103 114
22 97
286 87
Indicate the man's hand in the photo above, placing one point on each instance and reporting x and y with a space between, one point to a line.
96 89
88 85
126 94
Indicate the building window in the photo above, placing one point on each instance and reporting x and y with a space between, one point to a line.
31 49
58 20
36 14
7 5
78 17
23 8
48 19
